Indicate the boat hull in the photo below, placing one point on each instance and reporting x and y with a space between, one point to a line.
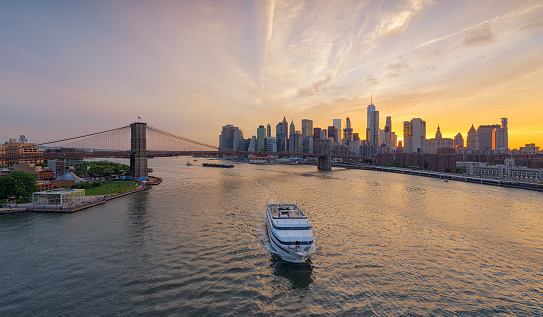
296 254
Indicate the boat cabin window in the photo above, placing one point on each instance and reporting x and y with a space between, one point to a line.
285 214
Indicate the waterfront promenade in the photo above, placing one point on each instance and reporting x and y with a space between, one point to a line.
445 176
89 201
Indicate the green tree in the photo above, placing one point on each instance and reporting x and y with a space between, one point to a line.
7 187
25 183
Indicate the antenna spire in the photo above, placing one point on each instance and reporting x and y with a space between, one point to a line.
371 98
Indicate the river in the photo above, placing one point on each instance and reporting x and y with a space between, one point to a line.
196 245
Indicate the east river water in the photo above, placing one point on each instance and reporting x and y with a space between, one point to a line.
196 245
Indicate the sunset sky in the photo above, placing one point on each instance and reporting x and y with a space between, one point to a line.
69 68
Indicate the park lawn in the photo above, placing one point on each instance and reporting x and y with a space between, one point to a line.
111 188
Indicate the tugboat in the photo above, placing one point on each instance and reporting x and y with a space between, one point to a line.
218 165
290 232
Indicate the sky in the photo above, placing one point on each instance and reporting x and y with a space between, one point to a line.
69 68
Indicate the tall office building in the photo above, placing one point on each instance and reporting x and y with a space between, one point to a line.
316 133
371 108
271 145
332 132
268 131
348 131
307 127
458 141
281 135
238 136
295 142
374 132
323 134
500 137
337 123
485 133
414 136
472 140
261 138
388 134
292 128
226 139
432 145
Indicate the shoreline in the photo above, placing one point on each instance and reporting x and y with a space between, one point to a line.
446 176
88 203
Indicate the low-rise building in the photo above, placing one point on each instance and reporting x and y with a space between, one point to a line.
508 170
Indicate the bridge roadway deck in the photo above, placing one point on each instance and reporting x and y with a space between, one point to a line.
151 154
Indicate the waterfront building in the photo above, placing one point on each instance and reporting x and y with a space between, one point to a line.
432 145
14 146
261 138
508 170
473 139
271 144
57 166
458 141
226 138
414 136
337 123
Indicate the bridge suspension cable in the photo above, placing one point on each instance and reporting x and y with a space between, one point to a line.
159 140
110 140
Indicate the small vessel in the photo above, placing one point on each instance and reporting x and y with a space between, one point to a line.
259 159
290 232
188 163
218 165
446 181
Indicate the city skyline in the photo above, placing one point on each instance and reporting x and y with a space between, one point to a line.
73 68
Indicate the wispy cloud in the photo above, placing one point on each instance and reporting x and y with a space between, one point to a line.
480 36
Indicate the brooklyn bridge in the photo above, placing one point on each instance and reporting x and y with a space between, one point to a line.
139 142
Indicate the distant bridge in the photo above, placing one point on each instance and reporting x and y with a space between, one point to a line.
139 142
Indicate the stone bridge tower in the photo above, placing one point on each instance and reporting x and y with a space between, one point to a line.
324 147
138 147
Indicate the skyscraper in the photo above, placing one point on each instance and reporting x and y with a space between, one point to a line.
261 138
268 131
458 141
500 137
332 132
348 131
307 127
388 134
414 136
226 138
473 139
374 131
485 132
337 124
371 108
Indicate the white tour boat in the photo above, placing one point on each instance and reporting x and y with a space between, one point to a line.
290 232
